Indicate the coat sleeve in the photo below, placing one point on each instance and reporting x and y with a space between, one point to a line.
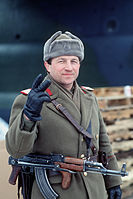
19 141
105 146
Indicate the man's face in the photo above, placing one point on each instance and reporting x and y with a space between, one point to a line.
64 70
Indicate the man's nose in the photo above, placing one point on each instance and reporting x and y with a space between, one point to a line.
68 66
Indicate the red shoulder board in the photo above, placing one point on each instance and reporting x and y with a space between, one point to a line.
86 88
26 91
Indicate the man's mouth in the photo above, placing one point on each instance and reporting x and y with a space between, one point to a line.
68 74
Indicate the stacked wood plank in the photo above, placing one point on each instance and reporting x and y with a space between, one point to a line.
117 111
114 104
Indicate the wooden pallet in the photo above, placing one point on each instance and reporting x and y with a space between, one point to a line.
117 114
117 110
122 130
110 91
117 107
114 104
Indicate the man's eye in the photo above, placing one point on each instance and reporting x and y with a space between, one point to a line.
60 61
75 61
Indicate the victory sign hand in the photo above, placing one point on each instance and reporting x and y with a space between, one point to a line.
36 97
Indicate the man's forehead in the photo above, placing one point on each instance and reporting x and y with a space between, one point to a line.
66 57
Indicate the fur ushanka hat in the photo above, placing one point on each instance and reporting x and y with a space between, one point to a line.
61 44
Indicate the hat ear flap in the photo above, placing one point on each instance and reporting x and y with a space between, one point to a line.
71 35
74 37
52 38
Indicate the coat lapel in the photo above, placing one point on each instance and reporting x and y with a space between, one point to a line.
86 103
64 99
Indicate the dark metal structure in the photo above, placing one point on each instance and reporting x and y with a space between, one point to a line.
104 26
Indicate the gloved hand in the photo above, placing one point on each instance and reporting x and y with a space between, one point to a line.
114 192
36 97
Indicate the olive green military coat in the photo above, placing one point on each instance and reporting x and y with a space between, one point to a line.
55 134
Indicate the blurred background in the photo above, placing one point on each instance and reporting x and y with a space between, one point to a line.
105 27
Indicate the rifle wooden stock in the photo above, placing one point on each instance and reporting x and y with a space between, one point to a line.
14 174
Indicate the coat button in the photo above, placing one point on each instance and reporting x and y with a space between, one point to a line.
82 156
96 136
85 174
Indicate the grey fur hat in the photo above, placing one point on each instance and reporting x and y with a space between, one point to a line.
61 44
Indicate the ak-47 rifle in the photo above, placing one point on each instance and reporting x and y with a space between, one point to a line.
57 162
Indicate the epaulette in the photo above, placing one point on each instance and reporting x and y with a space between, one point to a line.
86 88
26 91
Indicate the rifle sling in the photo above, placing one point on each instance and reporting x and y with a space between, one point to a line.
64 111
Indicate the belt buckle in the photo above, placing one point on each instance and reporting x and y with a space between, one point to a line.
57 106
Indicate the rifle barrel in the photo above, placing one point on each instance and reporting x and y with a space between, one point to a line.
106 171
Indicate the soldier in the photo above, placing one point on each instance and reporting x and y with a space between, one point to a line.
37 126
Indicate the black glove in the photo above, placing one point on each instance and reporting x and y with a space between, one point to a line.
114 192
36 97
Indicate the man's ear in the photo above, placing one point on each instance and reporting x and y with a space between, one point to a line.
46 66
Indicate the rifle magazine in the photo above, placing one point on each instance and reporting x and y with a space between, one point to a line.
43 183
